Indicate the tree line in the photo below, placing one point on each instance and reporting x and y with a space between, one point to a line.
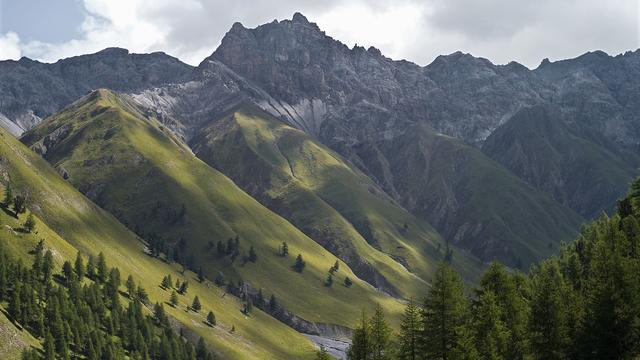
583 303
79 313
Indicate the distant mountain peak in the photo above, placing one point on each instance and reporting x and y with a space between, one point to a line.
299 18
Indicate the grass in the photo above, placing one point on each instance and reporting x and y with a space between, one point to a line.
130 164
476 202
326 197
76 223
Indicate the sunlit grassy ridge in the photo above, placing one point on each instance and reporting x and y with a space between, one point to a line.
79 224
132 167
326 197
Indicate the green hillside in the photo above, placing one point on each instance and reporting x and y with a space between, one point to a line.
474 201
538 146
136 169
327 198
77 223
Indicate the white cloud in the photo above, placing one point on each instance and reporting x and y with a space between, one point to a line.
10 46
417 30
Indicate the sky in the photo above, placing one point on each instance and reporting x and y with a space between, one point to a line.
525 31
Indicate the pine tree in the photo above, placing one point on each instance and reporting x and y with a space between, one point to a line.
131 286
347 282
49 347
329 280
273 304
8 195
184 286
444 314
30 224
166 282
174 299
102 267
79 267
299 264
360 348
380 335
491 334
253 257
510 305
69 273
196 304
91 267
19 204
410 333
285 249
47 266
211 318
549 321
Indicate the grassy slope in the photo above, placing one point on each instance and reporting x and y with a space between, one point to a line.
537 146
474 201
324 196
85 226
130 165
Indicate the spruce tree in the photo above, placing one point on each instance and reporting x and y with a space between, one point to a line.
184 286
8 195
360 348
47 266
102 267
79 267
19 204
491 334
299 264
444 315
285 249
211 318
49 347
409 337
253 257
196 306
174 299
549 321
329 281
380 335
30 224
131 286
347 282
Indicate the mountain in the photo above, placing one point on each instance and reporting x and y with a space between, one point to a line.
69 222
135 168
459 114
31 91
327 198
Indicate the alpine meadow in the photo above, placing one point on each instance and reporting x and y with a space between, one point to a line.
288 196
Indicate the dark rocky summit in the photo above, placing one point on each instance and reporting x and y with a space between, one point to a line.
461 142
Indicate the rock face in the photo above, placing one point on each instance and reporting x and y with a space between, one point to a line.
567 131
30 90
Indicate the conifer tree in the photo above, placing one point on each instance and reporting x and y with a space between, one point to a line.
166 282
49 347
329 281
196 304
491 334
273 304
285 249
211 318
19 204
253 257
91 267
410 333
131 286
184 286
380 335
8 195
444 314
174 299
549 321
47 266
102 267
299 264
360 348
79 267
30 224
347 282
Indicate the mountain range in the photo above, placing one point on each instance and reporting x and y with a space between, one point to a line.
285 135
